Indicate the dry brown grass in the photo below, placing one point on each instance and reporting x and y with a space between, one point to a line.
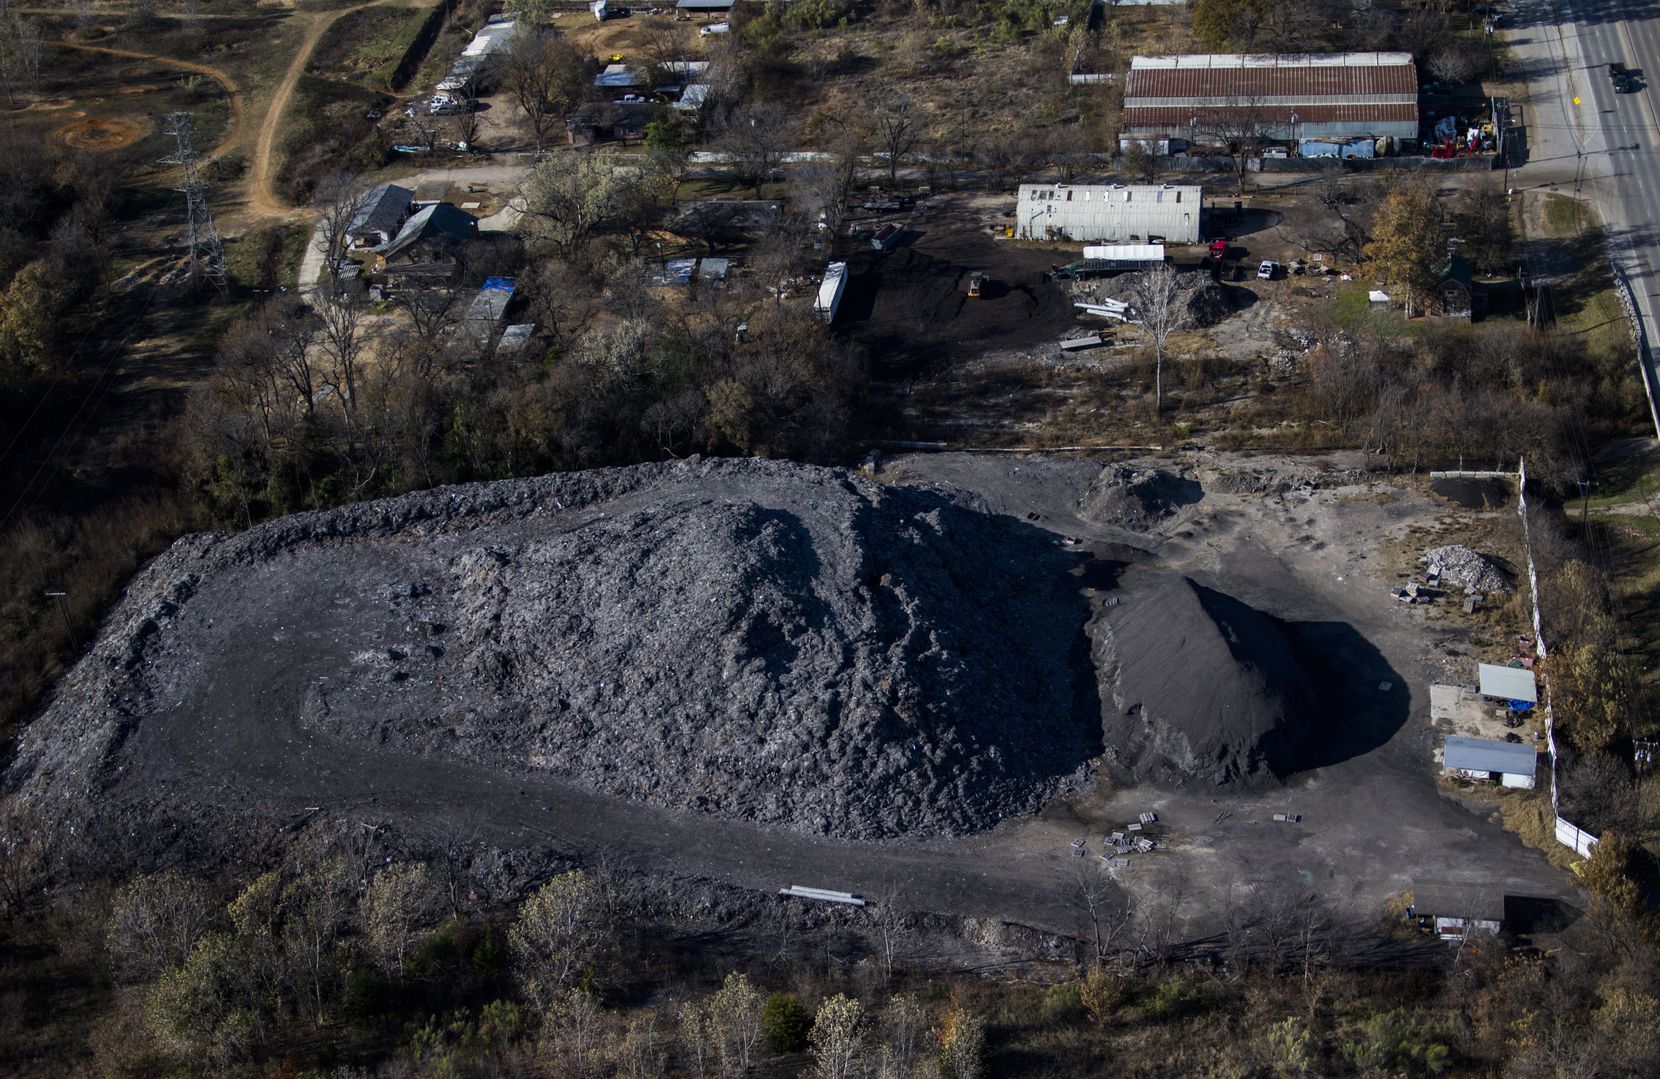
89 557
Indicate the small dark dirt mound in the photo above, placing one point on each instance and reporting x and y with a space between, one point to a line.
1139 499
1196 685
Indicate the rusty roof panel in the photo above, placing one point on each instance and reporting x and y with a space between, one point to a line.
1294 78
1166 116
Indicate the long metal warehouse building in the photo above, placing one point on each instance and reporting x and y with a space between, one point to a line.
1336 95
1108 213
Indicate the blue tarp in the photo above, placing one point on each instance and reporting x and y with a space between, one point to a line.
1345 148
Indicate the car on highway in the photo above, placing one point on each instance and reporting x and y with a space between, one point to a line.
1267 270
1623 78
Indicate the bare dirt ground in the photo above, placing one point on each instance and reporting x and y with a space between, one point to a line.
262 200
1373 820
910 306
1304 541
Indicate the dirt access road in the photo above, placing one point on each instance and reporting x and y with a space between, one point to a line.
259 201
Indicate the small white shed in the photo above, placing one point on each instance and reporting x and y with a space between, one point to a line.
1508 683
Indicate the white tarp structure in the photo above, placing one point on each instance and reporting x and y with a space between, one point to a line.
1113 213
1508 683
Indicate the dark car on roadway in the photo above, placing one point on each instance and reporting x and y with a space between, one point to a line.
1624 81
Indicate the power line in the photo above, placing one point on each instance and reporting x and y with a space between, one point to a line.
207 257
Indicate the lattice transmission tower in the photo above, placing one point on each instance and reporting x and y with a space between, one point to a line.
207 257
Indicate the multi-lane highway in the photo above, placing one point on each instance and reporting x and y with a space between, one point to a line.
1584 139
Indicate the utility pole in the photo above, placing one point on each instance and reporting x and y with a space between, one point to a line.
63 612
207 258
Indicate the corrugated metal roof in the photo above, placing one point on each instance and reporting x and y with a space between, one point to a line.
1222 75
1487 755
1108 212
1177 115
1508 683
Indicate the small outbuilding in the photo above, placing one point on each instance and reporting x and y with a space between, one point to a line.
1455 288
1454 911
608 121
1508 683
1512 764
488 310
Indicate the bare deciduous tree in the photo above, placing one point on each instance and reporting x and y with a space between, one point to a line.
1101 903
401 898
735 1018
838 1038
1160 304
547 78
897 126
339 200
1239 126
891 921
755 138
316 906
559 931
570 198
342 338
155 922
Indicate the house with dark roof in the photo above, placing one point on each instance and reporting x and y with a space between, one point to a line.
1285 97
379 216
608 121
430 243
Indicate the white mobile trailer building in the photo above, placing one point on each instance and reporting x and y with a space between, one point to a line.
830 291
1135 254
1112 213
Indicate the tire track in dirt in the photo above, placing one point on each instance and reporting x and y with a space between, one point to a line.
261 200
233 93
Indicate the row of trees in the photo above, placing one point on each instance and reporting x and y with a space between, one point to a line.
377 967
330 949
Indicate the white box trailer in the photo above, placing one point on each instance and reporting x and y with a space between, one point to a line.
1125 254
830 291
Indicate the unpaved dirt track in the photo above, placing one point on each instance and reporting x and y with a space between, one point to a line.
262 201
232 93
